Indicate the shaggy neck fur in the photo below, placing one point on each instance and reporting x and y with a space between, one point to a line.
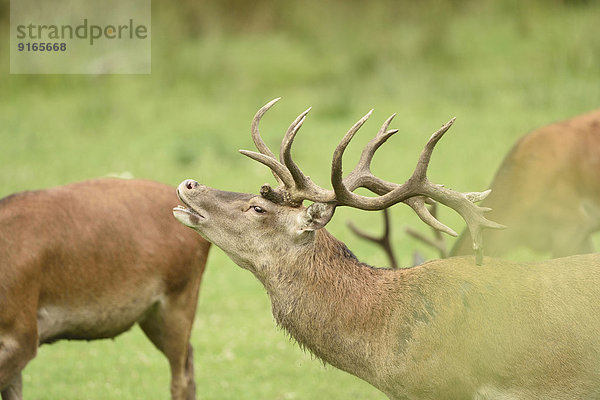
335 306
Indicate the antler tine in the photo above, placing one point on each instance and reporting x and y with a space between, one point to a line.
417 203
384 241
463 204
437 242
475 197
421 169
279 170
285 152
361 175
336 164
258 142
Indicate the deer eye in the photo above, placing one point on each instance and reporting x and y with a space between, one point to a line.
259 210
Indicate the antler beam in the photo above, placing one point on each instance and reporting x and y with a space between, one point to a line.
294 186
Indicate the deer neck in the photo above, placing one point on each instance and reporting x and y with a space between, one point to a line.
333 305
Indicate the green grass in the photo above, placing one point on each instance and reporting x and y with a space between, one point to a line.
503 68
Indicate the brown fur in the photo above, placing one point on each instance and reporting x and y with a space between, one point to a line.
88 261
547 191
448 329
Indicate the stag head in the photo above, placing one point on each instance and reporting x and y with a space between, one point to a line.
246 225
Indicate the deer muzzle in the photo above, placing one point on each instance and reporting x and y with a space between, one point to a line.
189 214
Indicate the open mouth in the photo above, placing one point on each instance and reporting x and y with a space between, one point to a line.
188 210
193 215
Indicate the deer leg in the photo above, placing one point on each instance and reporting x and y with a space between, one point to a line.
14 390
169 328
16 350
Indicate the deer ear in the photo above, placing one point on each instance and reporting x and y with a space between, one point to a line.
316 216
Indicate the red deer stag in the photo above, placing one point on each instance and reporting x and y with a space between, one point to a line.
448 329
547 191
88 261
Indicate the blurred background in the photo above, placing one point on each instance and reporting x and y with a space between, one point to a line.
502 68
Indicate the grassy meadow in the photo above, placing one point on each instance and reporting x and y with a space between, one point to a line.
502 68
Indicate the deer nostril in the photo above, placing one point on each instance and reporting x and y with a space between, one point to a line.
191 184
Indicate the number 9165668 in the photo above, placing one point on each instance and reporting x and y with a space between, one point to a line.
42 46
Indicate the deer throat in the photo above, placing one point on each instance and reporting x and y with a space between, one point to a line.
327 311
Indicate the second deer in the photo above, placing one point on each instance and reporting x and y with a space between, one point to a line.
547 191
89 260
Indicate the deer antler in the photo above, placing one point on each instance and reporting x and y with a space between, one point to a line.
383 241
361 175
296 187
437 242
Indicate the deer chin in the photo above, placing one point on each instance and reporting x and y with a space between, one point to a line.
188 217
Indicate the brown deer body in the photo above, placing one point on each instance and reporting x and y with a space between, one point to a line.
74 265
448 329
547 191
